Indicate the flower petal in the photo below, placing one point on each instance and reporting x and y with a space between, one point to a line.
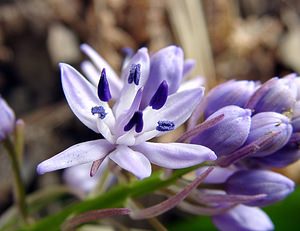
77 154
80 94
134 162
129 90
177 109
175 155
114 82
90 72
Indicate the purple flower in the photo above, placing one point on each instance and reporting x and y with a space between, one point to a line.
125 127
254 182
265 123
243 218
227 135
274 95
229 93
7 120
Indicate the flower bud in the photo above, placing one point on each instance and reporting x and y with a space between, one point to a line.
274 95
166 64
253 182
229 93
228 134
243 218
289 154
7 119
265 123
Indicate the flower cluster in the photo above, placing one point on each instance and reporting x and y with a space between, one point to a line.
248 128
259 131
149 102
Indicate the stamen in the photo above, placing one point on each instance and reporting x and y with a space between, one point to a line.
134 74
165 125
103 87
100 111
137 120
159 99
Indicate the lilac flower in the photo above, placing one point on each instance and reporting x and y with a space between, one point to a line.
243 218
229 93
268 122
125 127
274 185
7 119
227 135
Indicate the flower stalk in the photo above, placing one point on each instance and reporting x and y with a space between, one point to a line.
19 190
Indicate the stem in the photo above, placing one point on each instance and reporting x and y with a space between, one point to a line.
113 198
19 191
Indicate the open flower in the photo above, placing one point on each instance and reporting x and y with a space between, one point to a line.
126 127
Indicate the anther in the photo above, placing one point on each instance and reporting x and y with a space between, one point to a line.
103 87
134 74
100 111
165 125
159 99
137 120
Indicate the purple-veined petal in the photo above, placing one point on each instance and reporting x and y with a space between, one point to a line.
90 72
77 154
82 97
165 65
130 90
243 218
177 109
175 155
126 116
80 94
134 162
114 82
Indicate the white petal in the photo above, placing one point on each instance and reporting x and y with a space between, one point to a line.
115 83
132 161
129 91
90 71
80 94
177 109
77 154
175 155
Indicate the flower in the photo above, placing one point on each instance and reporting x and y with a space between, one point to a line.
126 127
7 120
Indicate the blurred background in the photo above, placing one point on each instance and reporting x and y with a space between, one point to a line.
229 39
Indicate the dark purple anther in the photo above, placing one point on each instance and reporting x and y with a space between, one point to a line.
160 97
134 74
165 125
137 120
103 88
100 111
